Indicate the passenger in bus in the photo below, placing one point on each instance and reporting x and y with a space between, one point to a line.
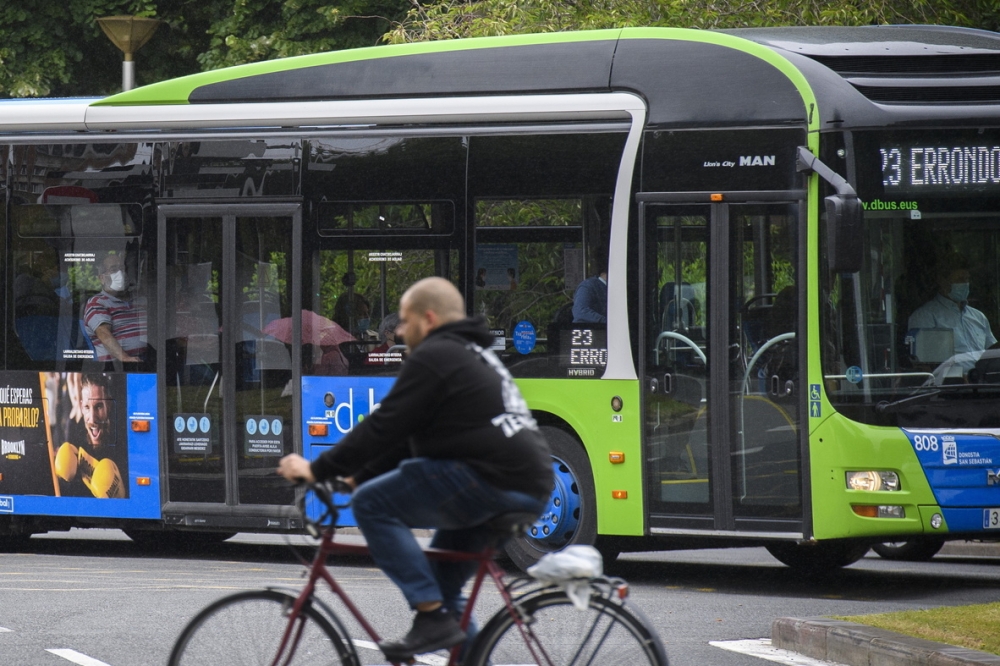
387 332
116 322
353 313
590 302
950 309
35 289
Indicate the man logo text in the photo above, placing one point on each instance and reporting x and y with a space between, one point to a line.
757 160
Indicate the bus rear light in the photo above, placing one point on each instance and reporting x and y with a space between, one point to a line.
140 425
318 430
715 197
884 481
880 511
142 481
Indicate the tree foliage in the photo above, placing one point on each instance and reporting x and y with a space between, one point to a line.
57 48
451 19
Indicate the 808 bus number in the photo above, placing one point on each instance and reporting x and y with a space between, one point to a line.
925 442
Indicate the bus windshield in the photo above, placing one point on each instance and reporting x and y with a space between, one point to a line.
911 339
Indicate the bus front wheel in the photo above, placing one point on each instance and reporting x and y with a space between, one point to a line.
909 551
818 558
570 517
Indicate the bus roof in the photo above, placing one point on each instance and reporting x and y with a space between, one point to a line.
824 77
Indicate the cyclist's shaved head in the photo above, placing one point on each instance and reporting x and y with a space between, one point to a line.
436 295
429 303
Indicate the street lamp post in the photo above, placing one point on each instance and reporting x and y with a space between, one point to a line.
129 34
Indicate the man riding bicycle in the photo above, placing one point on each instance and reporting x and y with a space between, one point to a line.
452 445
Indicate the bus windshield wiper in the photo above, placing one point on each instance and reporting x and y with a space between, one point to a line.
928 392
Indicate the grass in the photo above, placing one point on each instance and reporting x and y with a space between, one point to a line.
976 627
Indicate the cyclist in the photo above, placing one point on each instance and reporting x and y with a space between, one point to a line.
452 445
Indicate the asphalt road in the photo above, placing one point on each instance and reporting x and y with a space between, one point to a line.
95 595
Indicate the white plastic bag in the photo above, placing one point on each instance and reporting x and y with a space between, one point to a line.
572 569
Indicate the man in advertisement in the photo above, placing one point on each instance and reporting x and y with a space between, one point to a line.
96 466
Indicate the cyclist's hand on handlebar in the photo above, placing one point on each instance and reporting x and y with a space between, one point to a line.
296 469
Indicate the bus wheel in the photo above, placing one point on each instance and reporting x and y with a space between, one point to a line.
570 517
910 551
817 558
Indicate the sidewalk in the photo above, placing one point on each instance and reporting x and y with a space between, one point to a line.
860 645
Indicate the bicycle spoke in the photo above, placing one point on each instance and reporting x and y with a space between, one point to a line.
558 634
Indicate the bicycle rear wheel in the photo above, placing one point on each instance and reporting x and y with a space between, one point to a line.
246 629
558 634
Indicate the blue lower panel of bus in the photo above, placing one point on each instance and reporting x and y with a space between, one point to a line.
79 444
963 470
335 405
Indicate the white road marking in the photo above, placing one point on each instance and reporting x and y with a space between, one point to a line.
429 659
3 629
77 658
762 649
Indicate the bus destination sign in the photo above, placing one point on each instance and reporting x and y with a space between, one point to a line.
914 168
584 350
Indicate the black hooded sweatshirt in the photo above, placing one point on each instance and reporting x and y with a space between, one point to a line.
453 400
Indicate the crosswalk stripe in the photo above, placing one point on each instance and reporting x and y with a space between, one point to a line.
762 649
76 657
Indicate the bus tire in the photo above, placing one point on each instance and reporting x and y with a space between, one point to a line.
818 558
909 551
570 517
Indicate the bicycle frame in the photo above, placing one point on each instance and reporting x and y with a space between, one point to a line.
318 570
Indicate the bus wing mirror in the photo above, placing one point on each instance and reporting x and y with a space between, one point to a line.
843 215
844 233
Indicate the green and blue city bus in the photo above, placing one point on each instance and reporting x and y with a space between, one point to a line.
771 205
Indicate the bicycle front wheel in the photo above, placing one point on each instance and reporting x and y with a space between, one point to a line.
247 629
556 633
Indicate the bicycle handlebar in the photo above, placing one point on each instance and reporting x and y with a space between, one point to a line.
324 492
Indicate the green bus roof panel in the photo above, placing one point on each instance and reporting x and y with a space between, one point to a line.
535 68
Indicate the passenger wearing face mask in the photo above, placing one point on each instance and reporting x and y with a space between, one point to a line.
950 309
115 321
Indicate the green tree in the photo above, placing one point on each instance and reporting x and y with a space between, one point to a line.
57 48
451 19
264 29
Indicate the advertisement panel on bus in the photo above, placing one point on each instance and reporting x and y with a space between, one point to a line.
331 407
78 444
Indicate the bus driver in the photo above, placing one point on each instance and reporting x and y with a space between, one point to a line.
950 309
452 445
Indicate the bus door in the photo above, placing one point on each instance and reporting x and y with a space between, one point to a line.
720 364
228 281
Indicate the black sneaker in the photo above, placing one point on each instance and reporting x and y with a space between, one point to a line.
432 630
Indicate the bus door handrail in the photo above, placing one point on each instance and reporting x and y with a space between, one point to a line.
674 335
746 388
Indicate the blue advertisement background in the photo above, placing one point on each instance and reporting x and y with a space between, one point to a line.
353 400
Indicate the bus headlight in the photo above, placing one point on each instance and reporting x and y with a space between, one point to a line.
885 481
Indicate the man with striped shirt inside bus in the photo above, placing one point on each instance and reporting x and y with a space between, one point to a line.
115 322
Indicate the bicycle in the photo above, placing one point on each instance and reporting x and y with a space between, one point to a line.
537 623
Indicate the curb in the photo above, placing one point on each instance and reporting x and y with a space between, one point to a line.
860 645
971 548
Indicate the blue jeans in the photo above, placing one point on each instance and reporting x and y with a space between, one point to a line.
427 493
